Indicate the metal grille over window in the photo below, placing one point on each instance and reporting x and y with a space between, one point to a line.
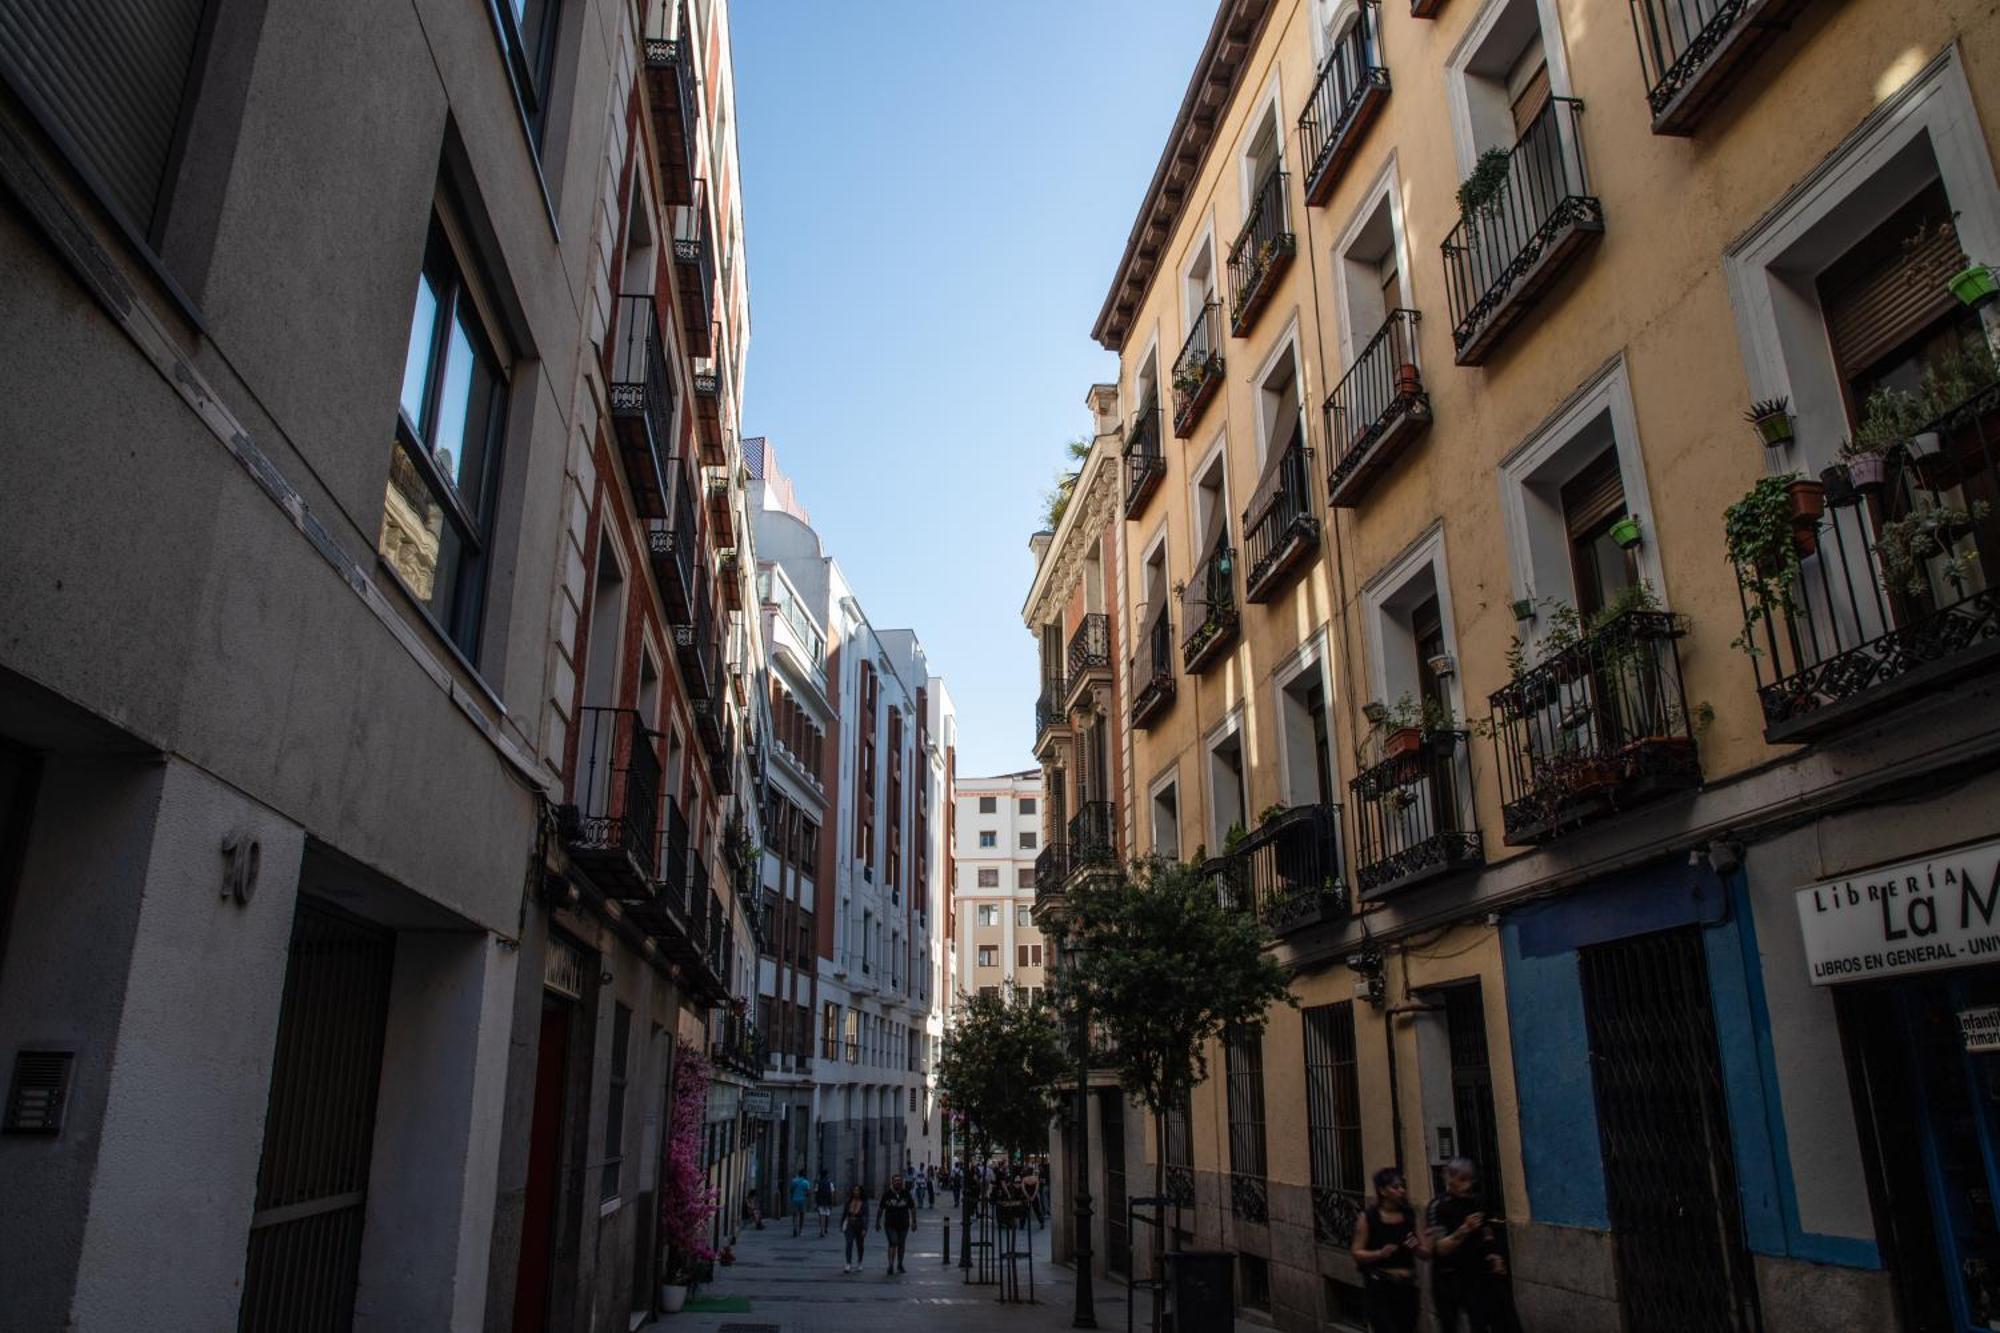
1333 1122
1243 1054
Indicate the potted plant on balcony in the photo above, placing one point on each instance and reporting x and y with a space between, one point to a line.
1975 285
1758 537
1479 193
1625 531
1409 384
1401 728
1773 419
1910 545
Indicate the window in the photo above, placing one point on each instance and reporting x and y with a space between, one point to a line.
1028 955
830 1032
1024 916
989 992
1305 743
913 1101
444 462
989 805
1243 1054
1027 805
1229 799
1500 78
989 914
989 838
1028 841
614 1103
1333 1099
989 955
529 28
989 877
1024 878
1167 820
1592 501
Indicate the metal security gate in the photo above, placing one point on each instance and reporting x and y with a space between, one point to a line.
1117 1226
305 1237
1669 1171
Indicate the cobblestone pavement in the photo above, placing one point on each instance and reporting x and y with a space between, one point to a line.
795 1285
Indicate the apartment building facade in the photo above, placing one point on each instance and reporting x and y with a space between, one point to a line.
996 946
1426 513
878 888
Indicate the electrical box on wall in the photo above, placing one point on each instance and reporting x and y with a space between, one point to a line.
38 1092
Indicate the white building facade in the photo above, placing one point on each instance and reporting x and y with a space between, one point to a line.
997 949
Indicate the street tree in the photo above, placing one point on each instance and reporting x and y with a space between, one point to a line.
1001 1068
1163 963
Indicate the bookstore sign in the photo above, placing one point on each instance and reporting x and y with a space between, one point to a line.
1920 916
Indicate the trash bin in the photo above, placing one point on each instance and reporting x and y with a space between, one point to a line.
1201 1290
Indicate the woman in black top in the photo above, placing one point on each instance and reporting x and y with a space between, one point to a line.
1386 1246
854 1227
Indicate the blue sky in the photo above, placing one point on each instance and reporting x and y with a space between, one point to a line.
935 196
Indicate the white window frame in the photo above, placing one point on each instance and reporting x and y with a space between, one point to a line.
1384 191
1204 238
1286 345
1221 732
1425 555
1270 104
1464 137
1607 393
1314 652
1162 380
1170 776
1781 327
1195 477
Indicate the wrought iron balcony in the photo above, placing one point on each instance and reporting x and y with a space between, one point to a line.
1899 593
1145 463
1262 253
1288 872
1197 369
1353 84
722 762
694 643
1093 836
708 723
1596 727
1180 1185
642 402
694 272
706 390
1051 716
721 513
1208 610
1051 869
611 822
1335 1213
1503 254
1693 51
739 1047
729 573
672 544
1153 673
676 106
1280 529
1413 817
1249 1197
1376 410
1089 656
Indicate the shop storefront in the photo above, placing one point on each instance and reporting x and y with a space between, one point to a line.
1911 951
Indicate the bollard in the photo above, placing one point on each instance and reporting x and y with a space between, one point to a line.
947 1240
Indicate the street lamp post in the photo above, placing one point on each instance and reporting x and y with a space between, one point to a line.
1085 1314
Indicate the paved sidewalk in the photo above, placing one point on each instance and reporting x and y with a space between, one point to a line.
796 1286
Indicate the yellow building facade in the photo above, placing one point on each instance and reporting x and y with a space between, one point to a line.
1438 330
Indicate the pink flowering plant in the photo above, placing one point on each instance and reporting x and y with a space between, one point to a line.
687 1200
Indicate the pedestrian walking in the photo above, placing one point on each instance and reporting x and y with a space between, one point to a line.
854 1228
957 1185
1386 1246
823 1198
1468 1267
801 1193
1031 1186
895 1215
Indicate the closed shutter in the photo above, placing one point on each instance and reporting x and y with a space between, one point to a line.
1594 496
109 78
1891 286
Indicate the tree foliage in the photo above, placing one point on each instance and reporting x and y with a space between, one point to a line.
1002 1068
1055 500
1164 966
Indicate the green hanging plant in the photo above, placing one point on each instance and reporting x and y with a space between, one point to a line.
1757 538
1479 191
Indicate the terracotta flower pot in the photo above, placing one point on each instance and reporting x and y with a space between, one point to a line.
1408 383
1401 741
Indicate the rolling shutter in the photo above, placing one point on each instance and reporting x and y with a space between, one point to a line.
1894 287
106 78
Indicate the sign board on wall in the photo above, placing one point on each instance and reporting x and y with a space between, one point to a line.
757 1103
1920 916
1980 1028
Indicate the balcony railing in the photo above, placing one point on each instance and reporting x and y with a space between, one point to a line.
694 272
642 402
1901 591
1051 716
706 390
676 106
1262 253
1353 83
1153 673
612 820
722 763
1288 871
1208 610
1693 51
694 643
1504 252
1413 816
1280 529
1376 410
1051 868
672 543
1597 727
675 865
1093 835
1197 369
1145 463
1089 655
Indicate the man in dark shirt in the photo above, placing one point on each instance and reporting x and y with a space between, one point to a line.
893 1217
1468 1269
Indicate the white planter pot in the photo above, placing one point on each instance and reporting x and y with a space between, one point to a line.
672 1297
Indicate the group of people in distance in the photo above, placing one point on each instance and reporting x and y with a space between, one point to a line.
1468 1265
1015 1188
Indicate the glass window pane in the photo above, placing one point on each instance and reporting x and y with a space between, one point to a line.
418 538
417 361
447 441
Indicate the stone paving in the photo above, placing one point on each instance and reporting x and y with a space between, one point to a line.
795 1285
